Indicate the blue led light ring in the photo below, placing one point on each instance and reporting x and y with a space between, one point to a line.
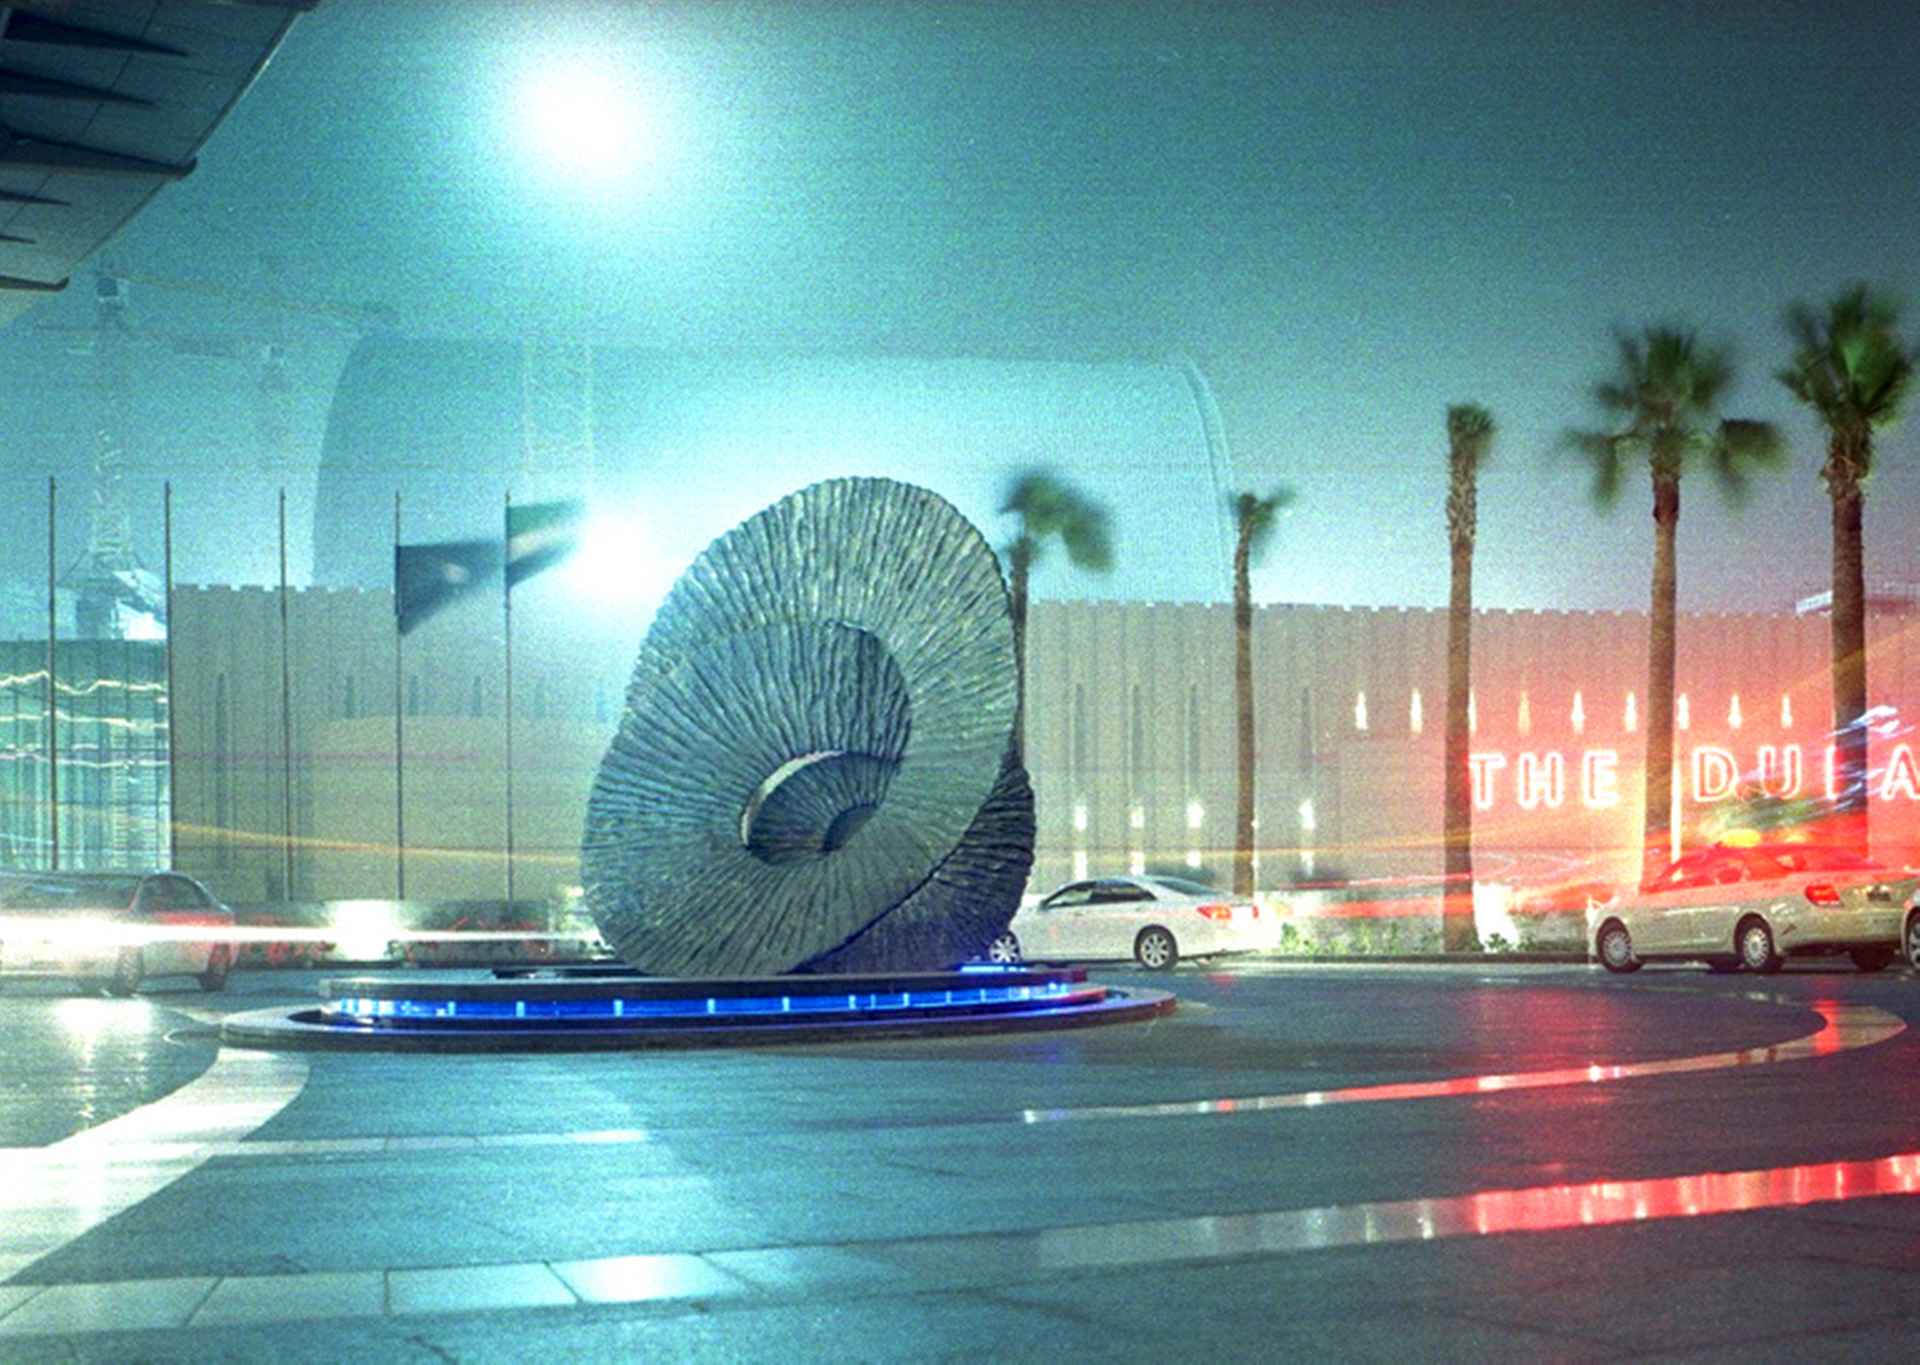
692 1010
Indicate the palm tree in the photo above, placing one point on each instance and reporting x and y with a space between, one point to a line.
1469 440
1049 508
1852 370
1665 399
1253 521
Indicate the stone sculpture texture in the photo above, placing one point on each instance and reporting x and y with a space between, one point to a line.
814 770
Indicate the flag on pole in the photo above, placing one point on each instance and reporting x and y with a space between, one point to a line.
540 535
427 578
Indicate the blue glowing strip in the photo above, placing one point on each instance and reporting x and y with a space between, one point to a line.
618 1007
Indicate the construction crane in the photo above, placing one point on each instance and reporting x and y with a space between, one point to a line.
117 596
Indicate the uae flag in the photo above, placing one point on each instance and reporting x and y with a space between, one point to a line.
428 578
540 535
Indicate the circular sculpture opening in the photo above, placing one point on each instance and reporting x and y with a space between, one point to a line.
813 805
846 824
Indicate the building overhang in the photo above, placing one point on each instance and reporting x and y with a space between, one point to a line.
101 107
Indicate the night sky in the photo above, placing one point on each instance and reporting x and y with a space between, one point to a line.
1351 215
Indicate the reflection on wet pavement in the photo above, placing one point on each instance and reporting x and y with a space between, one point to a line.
1842 1027
74 1061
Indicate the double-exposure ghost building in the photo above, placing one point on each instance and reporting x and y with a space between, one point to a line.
308 751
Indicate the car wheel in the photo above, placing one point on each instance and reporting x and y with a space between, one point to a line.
219 963
1872 959
1155 950
1005 949
127 972
1756 947
1913 941
1615 948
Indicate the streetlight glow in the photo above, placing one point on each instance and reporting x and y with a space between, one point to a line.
586 120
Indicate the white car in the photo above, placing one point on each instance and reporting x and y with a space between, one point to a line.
1752 907
1154 920
112 930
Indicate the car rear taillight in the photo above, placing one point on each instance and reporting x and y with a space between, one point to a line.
1217 911
1823 893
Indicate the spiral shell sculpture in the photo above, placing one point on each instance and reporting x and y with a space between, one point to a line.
814 770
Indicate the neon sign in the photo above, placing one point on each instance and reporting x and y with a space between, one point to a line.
1547 780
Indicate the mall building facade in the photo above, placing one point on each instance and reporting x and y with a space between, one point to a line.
282 780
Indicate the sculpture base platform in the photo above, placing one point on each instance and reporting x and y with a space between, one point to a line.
586 1009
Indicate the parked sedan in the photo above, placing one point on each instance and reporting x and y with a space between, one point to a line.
111 930
1751 907
1154 920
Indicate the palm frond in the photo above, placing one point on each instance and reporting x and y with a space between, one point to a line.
1049 508
1739 448
1088 540
1850 366
1255 517
1604 453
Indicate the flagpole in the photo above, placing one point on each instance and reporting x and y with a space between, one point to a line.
286 720
399 747
173 771
53 701
506 597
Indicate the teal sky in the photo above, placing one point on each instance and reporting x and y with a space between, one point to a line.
1350 214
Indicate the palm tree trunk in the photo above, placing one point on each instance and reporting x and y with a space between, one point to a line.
1457 928
1017 604
1657 850
1243 714
1849 663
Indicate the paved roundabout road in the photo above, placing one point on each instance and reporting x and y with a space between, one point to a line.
1354 1161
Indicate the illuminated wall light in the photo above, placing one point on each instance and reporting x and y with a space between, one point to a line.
1415 721
1579 714
1080 816
1360 710
1307 822
1137 816
1733 713
1473 713
1193 857
1632 721
1682 713
1079 864
1786 712
1137 863
1525 721
1196 815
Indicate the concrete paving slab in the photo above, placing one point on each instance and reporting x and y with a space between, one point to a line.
125 1306
799 1270
646 1279
467 1289
293 1298
13 1295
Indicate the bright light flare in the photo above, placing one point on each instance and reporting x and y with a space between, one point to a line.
619 564
362 929
586 120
